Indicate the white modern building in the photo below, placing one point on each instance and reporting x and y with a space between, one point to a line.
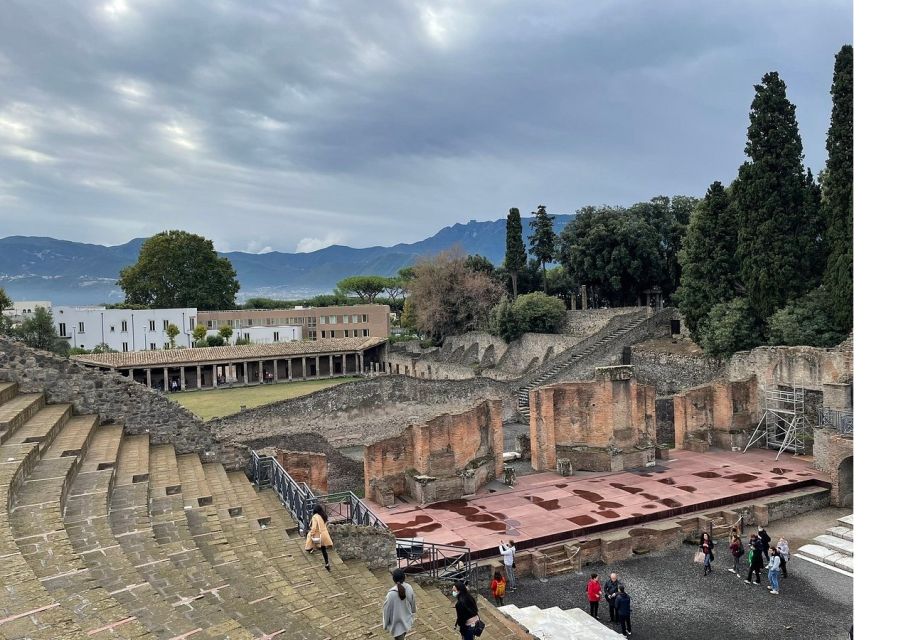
124 329
23 309
264 335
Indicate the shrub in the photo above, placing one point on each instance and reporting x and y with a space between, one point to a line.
729 327
529 313
805 321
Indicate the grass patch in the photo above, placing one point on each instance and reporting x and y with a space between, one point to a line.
217 403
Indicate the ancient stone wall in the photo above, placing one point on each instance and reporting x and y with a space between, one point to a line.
306 467
342 473
670 368
834 455
362 412
372 545
532 350
116 399
439 459
720 414
585 323
595 424
807 367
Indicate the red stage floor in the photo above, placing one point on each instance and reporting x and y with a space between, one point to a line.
546 507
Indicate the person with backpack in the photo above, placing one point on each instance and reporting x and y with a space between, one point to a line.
610 591
624 611
594 593
765 541
774 572
318 535
737 551
399 608
755 563
498 588
707 548
467 620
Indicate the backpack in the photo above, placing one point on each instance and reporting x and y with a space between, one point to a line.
500 589
751 553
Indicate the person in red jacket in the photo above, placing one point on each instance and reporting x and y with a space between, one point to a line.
498 588
594 594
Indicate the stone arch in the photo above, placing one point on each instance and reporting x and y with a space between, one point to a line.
844 496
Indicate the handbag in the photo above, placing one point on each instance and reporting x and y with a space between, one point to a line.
317 540
699 557
479 626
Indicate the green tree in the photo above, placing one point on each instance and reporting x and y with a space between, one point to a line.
729 327
39 332
543 240
534 312
708 258
395 289
805 322
199 332
408 316
561 284
214 341
769 198
5 303
516 257
366 288
837 194
172 332
225 331
480 264
502 320
180 269
669 217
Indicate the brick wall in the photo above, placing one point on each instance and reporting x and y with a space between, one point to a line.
719 414
807 367
834 455
307 467
671 372
589 421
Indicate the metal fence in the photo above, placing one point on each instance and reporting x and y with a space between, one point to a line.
441 561
841 421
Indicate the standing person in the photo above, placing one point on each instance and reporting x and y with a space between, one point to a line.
594 593
611 590
399 608
318 535
498 588
624 611
508 561
465 610
783 550
707 547
737 551
755 563
765 541
774 572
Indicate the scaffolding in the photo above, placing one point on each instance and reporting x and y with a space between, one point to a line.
783 425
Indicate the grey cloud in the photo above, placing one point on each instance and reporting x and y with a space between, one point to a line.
289 124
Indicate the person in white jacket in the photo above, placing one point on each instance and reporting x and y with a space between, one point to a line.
399 608
508 561
774 571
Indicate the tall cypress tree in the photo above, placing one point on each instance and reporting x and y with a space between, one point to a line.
516 257
543 240
707 258
769 199
837 193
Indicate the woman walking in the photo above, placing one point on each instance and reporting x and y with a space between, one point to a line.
498 588
399 608
737 551
465 610
318 535
783 550
774 571
707 548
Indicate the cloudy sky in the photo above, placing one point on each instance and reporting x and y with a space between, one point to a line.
291 124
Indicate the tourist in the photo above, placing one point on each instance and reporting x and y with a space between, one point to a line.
318 535
765 541
610 591
508 561
755 562
624 611
399 608
774 572
707 548
737 551
498 588
594 593
783 549
465 610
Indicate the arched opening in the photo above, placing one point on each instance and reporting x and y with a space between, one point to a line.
845 482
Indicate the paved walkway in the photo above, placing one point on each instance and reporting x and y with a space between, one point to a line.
547 504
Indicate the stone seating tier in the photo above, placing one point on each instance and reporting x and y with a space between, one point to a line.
106 536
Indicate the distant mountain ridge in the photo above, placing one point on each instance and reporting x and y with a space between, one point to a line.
65 272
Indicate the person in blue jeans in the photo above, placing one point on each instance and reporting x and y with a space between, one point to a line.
774 571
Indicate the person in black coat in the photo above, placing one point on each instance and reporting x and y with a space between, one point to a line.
611 590
765 542
755 563
465 610
624 611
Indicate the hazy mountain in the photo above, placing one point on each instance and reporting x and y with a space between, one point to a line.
64 272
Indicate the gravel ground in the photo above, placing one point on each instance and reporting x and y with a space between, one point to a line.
671 599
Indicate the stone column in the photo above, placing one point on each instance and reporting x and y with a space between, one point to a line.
148 378
198 376
131 374
275 369
344 364
290 370
246 373
167 380
306 373
214 376
261 371
183 378
332 365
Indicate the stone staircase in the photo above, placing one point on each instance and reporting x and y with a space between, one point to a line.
834 547
559 624
105 535
609 335
557 560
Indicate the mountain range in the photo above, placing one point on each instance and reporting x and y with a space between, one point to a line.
76 273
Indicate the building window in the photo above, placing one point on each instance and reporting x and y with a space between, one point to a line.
246 336
210 324
249 322
323 334
62 328
366 318
152 346
311 334
333 319
151 325
346 320
125 346
164 325
112 328
366 333
332 334
123 325
81 327
347 334
311 321
192 321
275 336
356 333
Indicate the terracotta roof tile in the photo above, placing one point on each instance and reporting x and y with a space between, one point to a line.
197 355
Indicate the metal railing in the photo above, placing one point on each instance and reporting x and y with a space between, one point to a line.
343 507
837 419
441 561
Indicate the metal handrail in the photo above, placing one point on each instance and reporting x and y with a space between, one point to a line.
441 561
839 419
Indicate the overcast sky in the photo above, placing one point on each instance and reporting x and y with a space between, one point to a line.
290 125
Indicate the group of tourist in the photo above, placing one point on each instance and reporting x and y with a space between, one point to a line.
618 601
759 550
400 606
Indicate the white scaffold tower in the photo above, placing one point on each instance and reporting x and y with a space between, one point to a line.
783 425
